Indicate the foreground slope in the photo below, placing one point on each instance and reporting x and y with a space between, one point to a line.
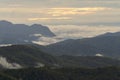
26 55
20 56
108 73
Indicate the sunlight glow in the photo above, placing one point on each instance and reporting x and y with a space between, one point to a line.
46 14
59 18
74 11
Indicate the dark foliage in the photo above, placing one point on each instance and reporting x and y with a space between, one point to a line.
109 73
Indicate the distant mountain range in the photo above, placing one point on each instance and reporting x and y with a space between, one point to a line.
22 34
98 51
82 59
107 45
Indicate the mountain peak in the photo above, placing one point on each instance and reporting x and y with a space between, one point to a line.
37 25
4 22
20 33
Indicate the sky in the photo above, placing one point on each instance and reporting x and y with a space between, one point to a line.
68 19
61 12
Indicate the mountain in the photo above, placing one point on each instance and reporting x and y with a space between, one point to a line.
88 61
107 73
17 56
21 56
107 45
20 33
110 34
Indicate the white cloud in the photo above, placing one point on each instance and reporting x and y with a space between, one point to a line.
64 32
4 63
72 31
99 55
48 40
4 45
40 65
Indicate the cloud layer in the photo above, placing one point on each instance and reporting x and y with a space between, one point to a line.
60 12
53 15
64 32
73 31
64 14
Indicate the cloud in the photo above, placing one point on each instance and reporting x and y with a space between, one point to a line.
63 3
73 31
70 12
74 11
4 45
64 32
48 13
4 63
58 18
48 40
71 16
99 55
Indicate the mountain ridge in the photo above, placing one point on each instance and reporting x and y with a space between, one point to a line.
21 56
107 44
21 33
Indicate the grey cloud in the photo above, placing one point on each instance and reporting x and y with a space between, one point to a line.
64 3
23 16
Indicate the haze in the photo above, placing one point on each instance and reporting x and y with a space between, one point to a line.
54 12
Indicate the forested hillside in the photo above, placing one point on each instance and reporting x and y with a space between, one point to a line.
108 73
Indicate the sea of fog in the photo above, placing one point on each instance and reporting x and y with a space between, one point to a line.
64 32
